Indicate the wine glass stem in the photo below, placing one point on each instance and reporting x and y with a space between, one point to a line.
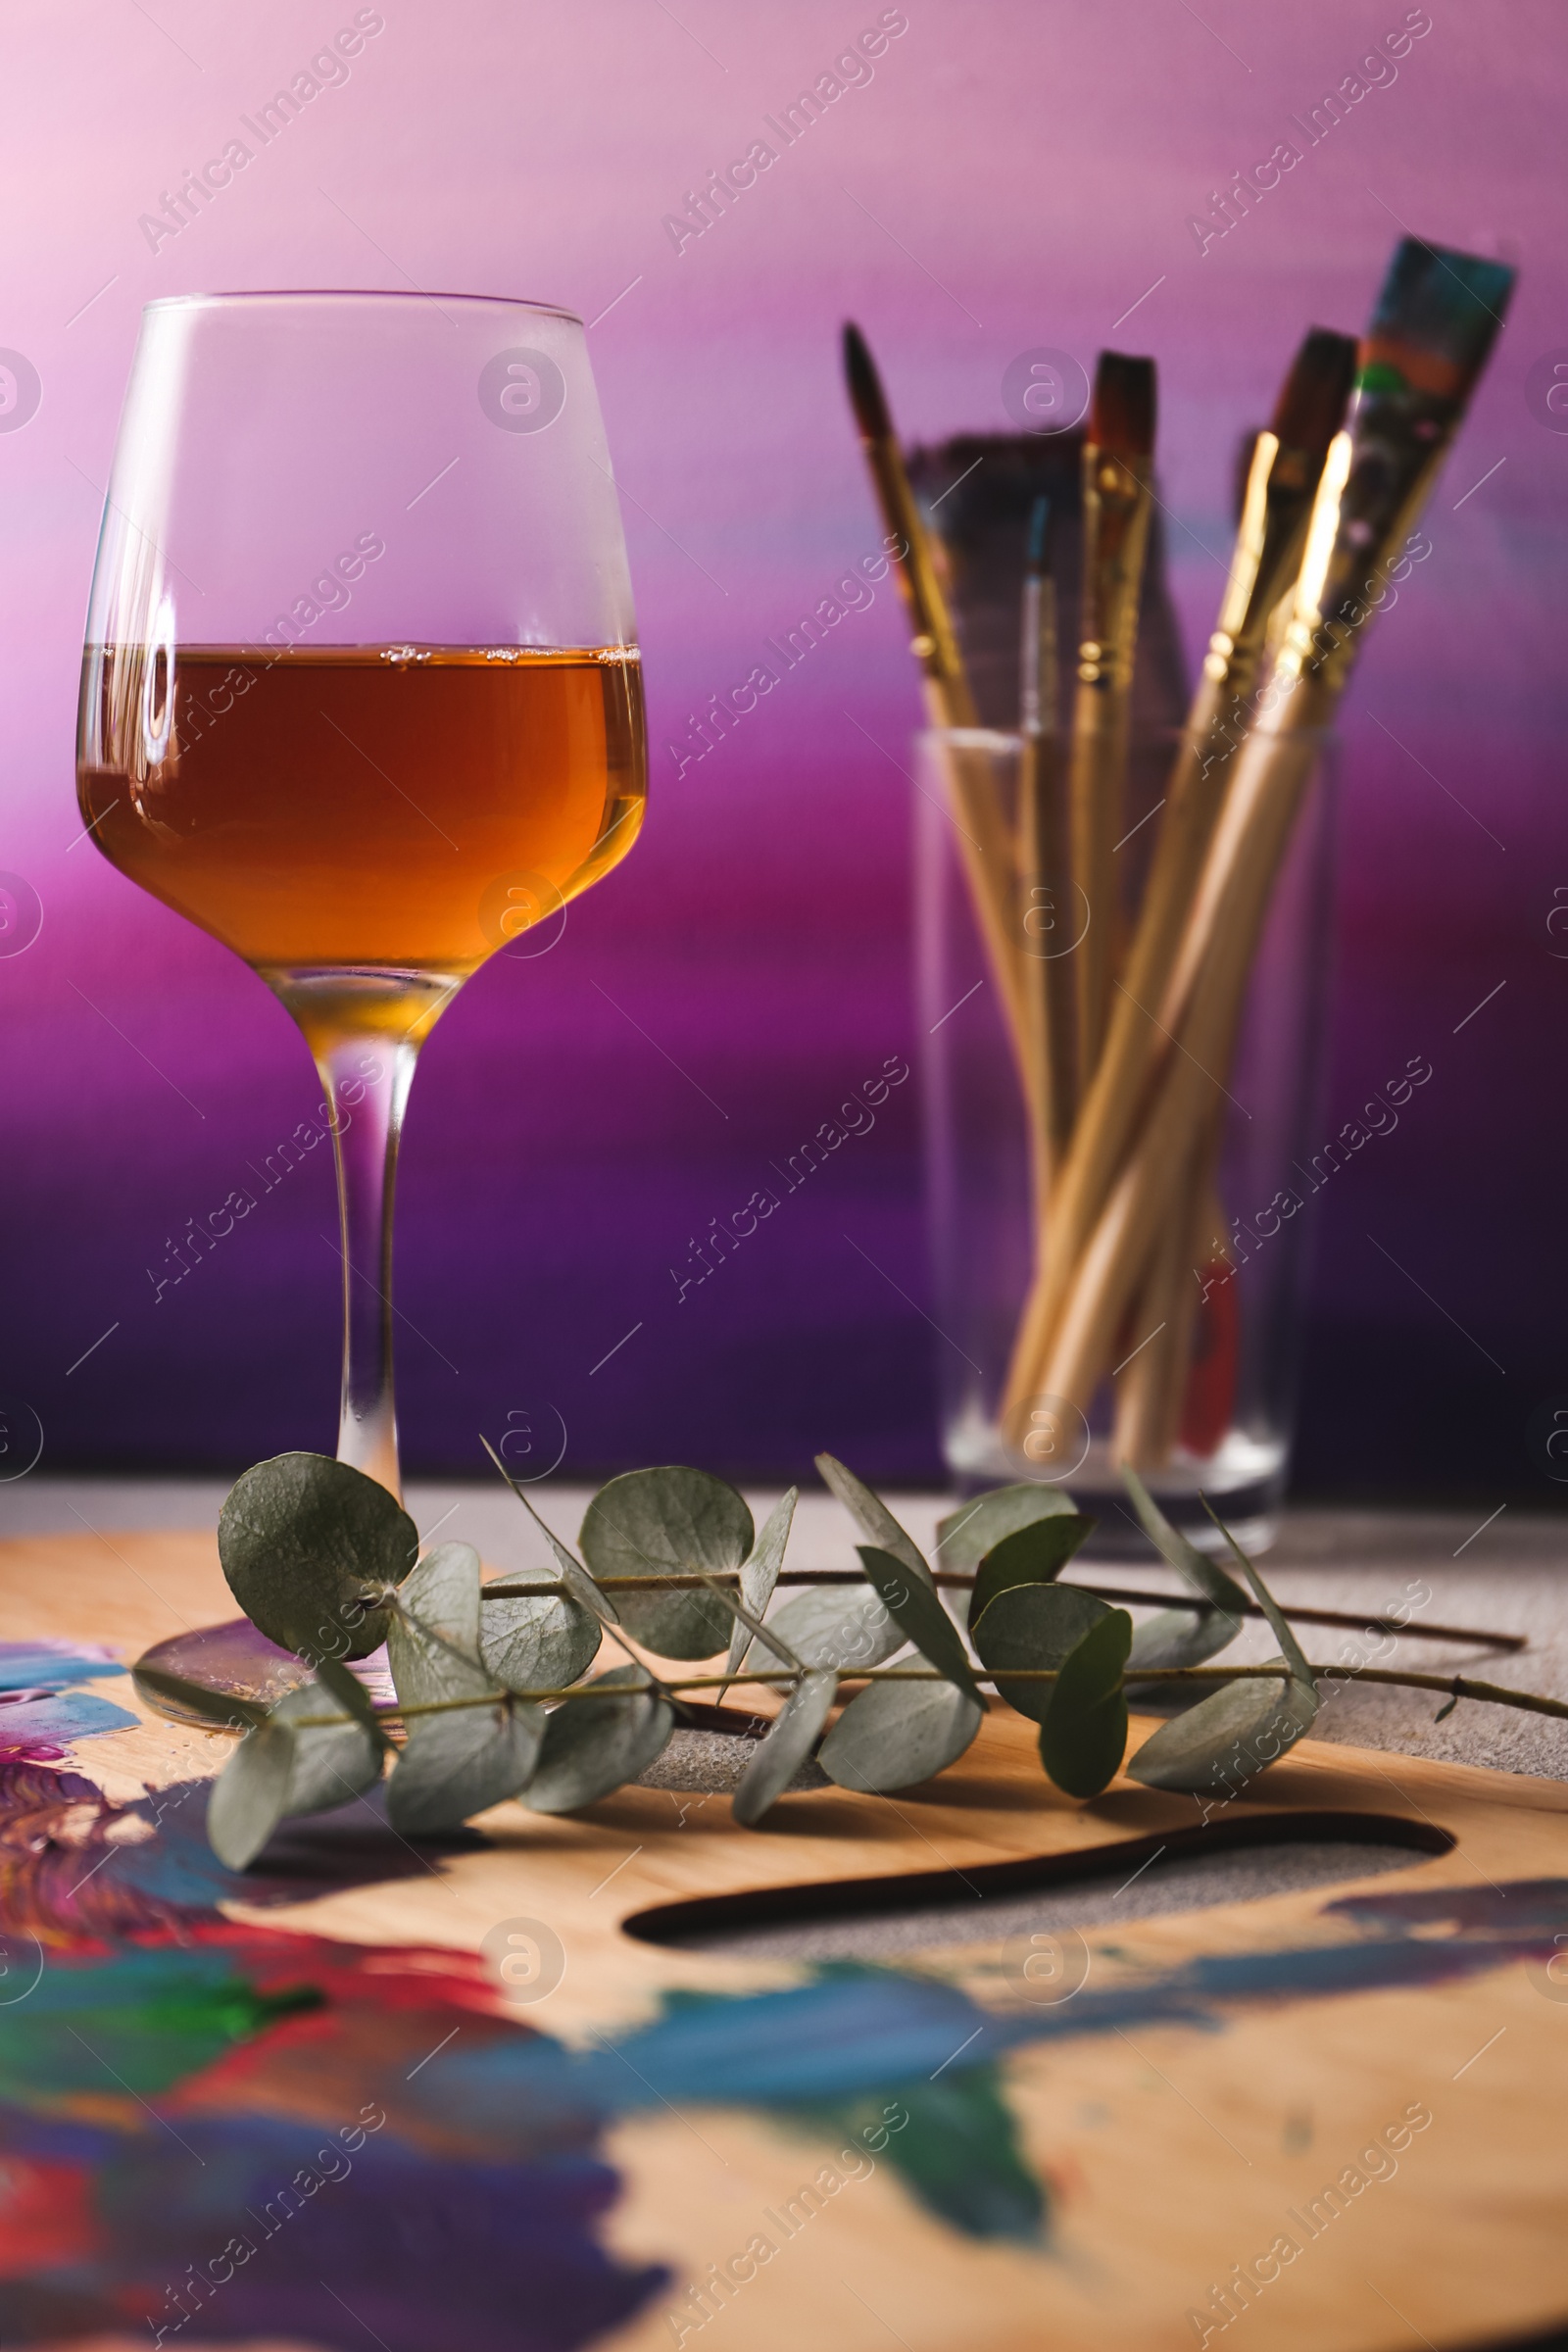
367 1077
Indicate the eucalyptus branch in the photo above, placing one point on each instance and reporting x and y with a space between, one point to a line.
1456 1686
511 1588
326 1563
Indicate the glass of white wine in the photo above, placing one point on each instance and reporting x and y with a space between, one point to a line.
360 693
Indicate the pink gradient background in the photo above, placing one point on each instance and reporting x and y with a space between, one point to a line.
1015 174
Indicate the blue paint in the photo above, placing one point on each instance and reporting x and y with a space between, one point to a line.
856 2029
47 1726
44 1665
47 1717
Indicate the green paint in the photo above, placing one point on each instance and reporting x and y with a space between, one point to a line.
956 2150
88 2030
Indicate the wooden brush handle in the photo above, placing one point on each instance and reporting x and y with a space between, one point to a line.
1095 799
1153 1387
1117 503
986 846
1135 1044
1065 1358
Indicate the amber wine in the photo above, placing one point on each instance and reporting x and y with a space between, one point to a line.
388 808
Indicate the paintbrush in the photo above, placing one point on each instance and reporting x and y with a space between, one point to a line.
1435 319
934 644
1045 896
1286 464
1117 470
1281 483
984 835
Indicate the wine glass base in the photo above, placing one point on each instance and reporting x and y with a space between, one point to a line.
236 1661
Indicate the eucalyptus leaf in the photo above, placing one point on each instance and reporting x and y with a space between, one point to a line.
743 1621
964 1536
896 1735
345 1686
670 1522
455 1764
282 1767
1204 1575
426 1667
443 1592
872 1516
1290 1650
537 1641
846 1626
1035 1554
574 1577
1181 1638
248 1797
308 1546
920 1613
1226 1741
1034 1627
595 1746
333 1761
1082 1735
759 1573
786 1746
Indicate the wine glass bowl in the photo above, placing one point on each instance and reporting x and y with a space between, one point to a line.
400 810
360 693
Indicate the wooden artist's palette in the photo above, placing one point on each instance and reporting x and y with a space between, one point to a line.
827 2160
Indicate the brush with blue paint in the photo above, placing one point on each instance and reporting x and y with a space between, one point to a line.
1432 329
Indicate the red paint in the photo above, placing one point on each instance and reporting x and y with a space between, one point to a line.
46 2217
1211 1381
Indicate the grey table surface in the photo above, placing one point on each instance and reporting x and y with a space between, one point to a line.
1508 1572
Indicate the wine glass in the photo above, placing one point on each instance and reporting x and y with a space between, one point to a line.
360 693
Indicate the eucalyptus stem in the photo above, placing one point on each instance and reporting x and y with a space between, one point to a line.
1456 1686
954 1580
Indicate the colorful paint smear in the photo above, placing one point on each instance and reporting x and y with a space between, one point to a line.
218 2131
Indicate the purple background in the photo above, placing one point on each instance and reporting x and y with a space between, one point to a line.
1014 176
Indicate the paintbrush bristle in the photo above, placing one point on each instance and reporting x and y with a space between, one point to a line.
1311 407
1437 315
1121 415
866 396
